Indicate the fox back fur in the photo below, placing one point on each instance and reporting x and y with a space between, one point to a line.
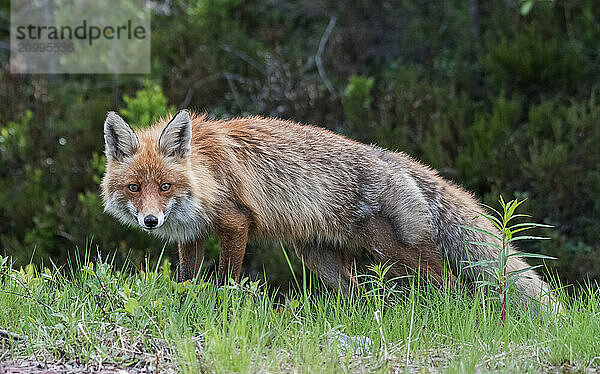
328 196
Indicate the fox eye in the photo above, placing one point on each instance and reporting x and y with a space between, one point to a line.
165 187
134 187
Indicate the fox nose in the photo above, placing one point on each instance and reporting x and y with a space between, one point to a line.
150 221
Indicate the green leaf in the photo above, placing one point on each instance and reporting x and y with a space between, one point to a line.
494 220
511 282
530 225
527 237
182 286
517 216
514 276
532 255
132 305
515 273
501 261
486 283
515 204
502 203
89 271
480 230
526 7
519 229
485 263
492 209
493 245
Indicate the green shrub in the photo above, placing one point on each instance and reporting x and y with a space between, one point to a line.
147 107
357 106
401 109
485 160
561 160
531 63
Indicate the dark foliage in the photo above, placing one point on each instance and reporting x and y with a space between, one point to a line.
497 101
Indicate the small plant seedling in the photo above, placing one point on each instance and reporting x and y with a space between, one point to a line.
499 279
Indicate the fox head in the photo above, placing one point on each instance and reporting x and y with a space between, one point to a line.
148 181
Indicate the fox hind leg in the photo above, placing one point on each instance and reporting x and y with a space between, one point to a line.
331 264
381 241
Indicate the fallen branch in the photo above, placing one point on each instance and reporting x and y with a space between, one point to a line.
249 60
320 51
10 335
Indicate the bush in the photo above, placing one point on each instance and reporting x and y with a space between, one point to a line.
534 65
494 100
147 107
401 109
561 158
484 162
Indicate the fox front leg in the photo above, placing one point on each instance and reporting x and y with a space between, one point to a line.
233 234
191 255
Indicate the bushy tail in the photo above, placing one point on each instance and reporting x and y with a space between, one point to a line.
451 210
531 287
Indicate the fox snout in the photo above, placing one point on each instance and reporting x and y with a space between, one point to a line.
150 221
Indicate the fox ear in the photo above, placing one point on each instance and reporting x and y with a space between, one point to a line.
120 139
176 138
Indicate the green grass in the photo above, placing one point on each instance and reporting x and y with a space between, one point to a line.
97 315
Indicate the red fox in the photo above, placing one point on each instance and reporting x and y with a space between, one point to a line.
328 196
